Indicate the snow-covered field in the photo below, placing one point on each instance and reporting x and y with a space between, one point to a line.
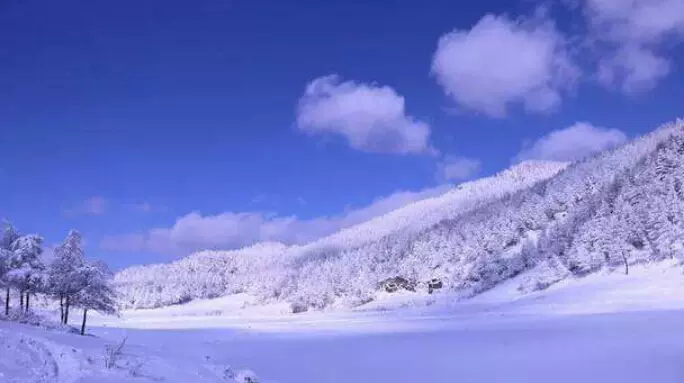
602 328
30 354
634 347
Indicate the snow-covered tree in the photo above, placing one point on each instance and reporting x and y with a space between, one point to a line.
4 283
9 236
65 278
25 267
96 293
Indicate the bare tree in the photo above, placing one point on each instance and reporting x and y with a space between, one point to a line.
624 259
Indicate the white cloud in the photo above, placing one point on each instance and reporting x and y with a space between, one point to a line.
230 230
636 69
629 34
573 143
457 168
370 117
500 62
92 206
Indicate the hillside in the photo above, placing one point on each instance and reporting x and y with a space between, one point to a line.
545 220
209 274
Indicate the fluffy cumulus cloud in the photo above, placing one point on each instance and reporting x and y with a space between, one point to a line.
573 143
500 62
96 205
371 118
229 230
630 35
457 168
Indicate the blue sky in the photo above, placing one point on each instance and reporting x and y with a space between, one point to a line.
161 127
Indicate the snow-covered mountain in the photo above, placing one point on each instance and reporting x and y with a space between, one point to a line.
213 273
427 212
549 221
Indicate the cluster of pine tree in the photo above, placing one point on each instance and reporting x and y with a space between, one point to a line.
68 277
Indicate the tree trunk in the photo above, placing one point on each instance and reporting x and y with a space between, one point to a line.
624 258
85 312
7 297
61 308
66 311
27 302
21 301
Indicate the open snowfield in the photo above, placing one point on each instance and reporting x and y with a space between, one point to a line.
602 328
627 347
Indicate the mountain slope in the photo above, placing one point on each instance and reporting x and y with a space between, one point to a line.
621 207
209 274
427 212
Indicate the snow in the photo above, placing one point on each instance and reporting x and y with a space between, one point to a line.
496 242
570 349
654 286
549 221
427 212
267 269
31 354
601 328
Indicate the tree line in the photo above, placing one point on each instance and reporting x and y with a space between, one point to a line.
68 277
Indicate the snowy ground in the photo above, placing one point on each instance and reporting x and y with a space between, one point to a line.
628 347
603 328
30 354
606 327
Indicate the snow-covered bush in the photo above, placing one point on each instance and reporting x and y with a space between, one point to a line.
113 353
